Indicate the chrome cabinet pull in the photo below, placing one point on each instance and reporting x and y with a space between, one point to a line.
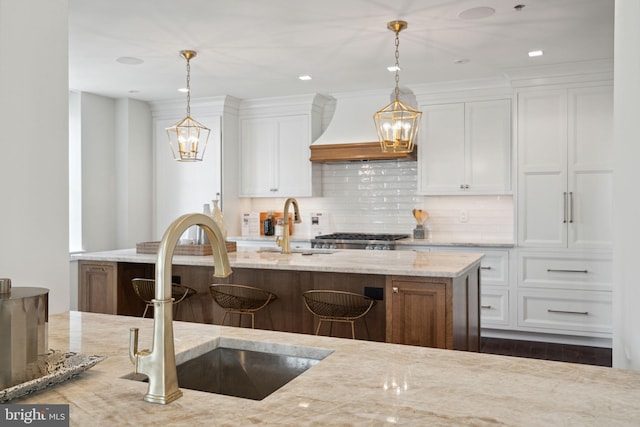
485 268
584 313
273 189
571 207
485 306
564 211
552 270
462 186
395 289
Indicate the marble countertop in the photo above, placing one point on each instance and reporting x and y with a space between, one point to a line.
360 383
409 241
403 263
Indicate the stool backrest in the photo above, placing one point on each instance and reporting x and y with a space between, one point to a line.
337 304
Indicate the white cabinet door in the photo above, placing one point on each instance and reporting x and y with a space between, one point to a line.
590 167
488 146
441 149
294 167
275 156
542 158
565 167
258 152
465 148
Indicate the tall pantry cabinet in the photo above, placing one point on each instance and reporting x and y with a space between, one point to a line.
565 144
565 139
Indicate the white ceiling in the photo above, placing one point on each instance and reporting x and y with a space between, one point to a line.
257 48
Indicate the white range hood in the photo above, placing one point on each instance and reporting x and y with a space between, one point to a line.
351 134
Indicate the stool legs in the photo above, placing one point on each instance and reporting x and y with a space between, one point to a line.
352 322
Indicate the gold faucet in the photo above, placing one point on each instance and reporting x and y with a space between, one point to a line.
284 241
159 363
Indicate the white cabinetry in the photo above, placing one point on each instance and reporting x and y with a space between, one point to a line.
465 148
274 147
565 140
565 292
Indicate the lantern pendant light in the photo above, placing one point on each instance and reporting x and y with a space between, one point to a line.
188 138
397 123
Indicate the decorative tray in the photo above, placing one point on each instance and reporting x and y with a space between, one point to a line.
50 369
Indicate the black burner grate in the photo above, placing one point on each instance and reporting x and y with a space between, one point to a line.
363 236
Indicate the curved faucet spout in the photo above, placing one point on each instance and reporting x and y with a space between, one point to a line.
285 242
159 363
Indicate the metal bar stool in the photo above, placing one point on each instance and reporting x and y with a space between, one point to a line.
338 306
145 290
242 299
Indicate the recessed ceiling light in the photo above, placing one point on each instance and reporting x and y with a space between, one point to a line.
393 68
477 13
183 90
535 53
461 61
305 77
129 60
134 91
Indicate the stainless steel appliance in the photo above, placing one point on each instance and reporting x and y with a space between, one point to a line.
369 241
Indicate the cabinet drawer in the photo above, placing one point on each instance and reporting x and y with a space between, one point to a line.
494 306
561 271
568 311
494 268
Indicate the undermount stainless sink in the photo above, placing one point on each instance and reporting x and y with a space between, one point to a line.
303 251
247 369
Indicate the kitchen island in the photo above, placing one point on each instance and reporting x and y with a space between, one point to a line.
424 298
359 383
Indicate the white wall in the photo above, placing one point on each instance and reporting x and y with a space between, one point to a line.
98 116
184 187
626 291
34 109
134 156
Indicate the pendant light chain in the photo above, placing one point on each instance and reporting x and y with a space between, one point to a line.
397 91
188 87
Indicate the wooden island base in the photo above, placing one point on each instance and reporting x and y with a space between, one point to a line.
437 312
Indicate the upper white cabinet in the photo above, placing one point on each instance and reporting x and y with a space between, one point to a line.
274 147
565 141
465 148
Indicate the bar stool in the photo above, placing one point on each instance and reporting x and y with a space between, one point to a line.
242 299
145 289
338 306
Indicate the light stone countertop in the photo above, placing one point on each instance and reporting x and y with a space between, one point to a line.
409 241
361 384
403 263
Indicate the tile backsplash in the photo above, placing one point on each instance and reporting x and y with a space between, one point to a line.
379 196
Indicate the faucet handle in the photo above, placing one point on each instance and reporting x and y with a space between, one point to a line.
279 241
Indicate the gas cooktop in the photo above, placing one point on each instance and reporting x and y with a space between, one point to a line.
362 236
382 241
